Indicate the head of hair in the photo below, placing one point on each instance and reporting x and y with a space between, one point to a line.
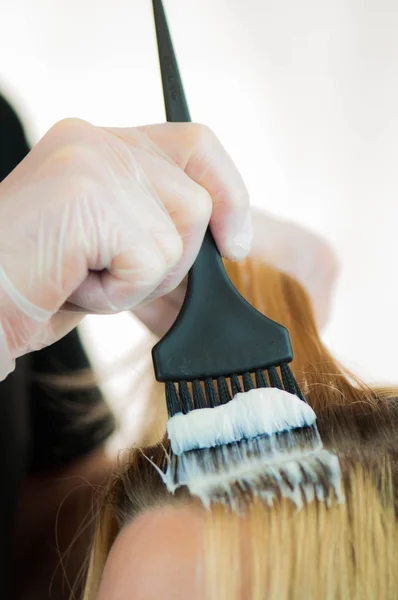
343 551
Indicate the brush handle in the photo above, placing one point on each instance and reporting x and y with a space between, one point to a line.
208 264
217 332
173 92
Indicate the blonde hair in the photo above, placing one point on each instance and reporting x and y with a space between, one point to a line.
347 551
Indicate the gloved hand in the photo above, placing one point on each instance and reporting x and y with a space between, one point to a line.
282 244
98 220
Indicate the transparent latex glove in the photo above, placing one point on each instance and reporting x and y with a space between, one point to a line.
99 220
282 244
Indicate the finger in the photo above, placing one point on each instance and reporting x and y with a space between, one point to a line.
198 152
194 148
189 206
129 277
159 315
66 133
100 243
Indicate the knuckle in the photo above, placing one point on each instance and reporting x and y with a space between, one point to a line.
71 169
74 166
70 127
72 155
74 163
196 135
199 208
153 272
202 135
170 245
174 250
71 142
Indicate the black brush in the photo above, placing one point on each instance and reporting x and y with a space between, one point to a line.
265 444
218 336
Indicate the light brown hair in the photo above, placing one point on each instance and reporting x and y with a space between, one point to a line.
347 551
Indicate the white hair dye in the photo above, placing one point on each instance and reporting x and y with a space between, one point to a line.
295 477
264 440
246 416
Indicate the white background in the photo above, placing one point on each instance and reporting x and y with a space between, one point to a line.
304 95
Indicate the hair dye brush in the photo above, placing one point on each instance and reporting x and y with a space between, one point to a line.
238 422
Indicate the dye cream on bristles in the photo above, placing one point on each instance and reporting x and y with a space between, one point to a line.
246 433
246 416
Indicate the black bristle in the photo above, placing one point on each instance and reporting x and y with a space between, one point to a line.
299 393
260 379
235 385
211 394
290 383
247 382
274 378
223 391
172 400
198 396
185 397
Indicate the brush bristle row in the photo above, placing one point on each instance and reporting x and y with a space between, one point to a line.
186 396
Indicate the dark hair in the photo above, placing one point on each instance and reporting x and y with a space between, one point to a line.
13 143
